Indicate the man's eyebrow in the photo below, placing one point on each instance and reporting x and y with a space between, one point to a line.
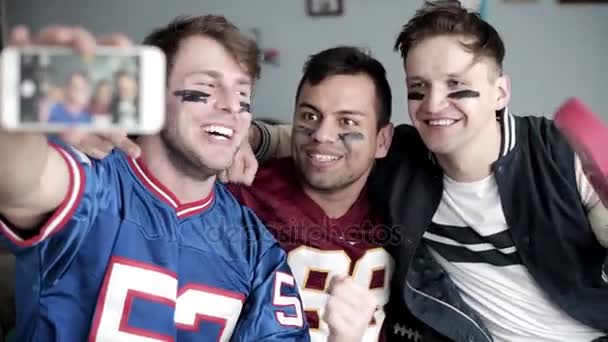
414 79
308 106
218 75
350 112
210 73
457 74
244 81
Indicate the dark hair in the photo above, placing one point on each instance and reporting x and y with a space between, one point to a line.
243 48
349 60
448 17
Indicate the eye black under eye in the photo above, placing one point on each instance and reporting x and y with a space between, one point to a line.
415 96
245 107
192 95
461 94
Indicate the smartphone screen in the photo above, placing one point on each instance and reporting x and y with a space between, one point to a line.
67 89
49 89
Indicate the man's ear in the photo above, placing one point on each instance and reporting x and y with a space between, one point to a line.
383 143
503 94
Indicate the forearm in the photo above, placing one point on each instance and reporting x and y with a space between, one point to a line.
271 141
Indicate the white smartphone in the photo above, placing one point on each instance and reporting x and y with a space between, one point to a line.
49 89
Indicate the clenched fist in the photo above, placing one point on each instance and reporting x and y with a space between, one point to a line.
349 310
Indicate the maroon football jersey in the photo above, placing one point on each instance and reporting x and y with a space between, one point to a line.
320 247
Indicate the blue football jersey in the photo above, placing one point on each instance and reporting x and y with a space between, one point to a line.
122 259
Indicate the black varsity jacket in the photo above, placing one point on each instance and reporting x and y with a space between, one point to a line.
543 209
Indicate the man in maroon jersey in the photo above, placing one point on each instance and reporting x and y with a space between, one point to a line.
315 202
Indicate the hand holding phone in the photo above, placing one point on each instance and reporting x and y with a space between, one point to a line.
69 81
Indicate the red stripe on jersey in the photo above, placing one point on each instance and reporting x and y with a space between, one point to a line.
164 194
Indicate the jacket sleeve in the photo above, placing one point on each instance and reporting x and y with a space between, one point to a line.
275 141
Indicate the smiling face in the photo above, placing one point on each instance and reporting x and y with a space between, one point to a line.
78 90
452 95
335 137
208 107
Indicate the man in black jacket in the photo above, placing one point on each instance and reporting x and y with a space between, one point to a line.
504 236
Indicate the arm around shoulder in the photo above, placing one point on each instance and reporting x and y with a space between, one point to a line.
271 141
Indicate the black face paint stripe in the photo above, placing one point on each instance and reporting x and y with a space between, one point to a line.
347 138
192 95
200 96
351 136
415 96
351 139
245 107
461 94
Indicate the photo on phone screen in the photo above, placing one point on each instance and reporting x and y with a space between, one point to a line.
65 88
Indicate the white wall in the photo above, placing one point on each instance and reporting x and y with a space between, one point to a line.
553 51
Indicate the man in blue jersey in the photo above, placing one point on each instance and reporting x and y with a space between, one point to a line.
73 109
151 248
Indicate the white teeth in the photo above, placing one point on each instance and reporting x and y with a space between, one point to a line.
441 122
219 130
324 157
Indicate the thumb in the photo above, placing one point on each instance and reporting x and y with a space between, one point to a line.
335 281
251 168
